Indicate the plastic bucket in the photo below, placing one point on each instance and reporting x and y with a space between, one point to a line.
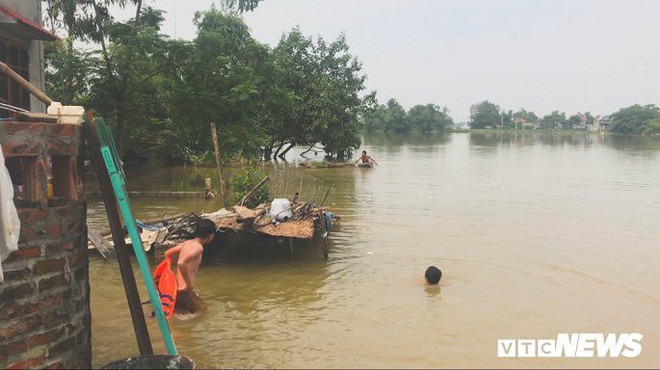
152 362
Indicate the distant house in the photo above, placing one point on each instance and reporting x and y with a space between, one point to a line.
21 48
602 123
521 123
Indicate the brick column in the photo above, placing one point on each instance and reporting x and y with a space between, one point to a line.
45 318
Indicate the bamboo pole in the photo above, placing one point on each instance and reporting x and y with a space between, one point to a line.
302 178
216 146
25 83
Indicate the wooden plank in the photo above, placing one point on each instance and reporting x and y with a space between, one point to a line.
103 246
35 117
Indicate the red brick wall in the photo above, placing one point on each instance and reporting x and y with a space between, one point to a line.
45 316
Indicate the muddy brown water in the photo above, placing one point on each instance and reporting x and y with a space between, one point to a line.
536 235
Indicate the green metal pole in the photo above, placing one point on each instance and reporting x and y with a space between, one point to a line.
119 184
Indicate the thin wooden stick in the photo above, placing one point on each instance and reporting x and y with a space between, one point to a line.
216 146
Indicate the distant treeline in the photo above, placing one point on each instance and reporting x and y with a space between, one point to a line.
392 117
636 119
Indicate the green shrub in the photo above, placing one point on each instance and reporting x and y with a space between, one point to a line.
242 181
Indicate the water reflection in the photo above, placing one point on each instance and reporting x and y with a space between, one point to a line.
432 291
393 143
635 144
259 299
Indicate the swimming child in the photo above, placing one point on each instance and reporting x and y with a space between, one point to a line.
432 275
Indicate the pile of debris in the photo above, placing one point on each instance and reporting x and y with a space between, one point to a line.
283 219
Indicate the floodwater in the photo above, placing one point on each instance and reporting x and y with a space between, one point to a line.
536 235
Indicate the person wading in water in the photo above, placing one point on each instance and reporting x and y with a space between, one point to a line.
365 159
189 258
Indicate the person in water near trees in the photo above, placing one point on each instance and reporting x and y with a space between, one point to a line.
432 275
365 159
189 258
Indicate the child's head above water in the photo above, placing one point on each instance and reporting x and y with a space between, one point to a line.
432 275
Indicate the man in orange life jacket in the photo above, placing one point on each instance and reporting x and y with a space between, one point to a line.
189 258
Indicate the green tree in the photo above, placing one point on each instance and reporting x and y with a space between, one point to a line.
573 121
553 120
340 80
68 70
321 85
243 5
90 21
652 127
634 119
528 116
429 117
220 82
395 118
484 114
375 120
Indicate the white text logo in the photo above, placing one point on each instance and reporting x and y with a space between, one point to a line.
574 345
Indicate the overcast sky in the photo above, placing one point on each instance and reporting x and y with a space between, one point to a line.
541 55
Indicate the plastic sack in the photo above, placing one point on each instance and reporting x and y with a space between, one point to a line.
280 209
10 225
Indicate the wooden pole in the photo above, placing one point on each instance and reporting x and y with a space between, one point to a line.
324 198
216 146
25 83
123 256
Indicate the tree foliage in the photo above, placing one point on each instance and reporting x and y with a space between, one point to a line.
220 82
244 180
428 118
392 117
128 50
528 116
485 114
317 94
159 95
553 120
636 119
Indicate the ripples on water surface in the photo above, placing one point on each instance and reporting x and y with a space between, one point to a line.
536 235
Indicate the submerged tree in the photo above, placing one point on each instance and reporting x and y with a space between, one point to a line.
485 114
429 117
635 119
318 89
